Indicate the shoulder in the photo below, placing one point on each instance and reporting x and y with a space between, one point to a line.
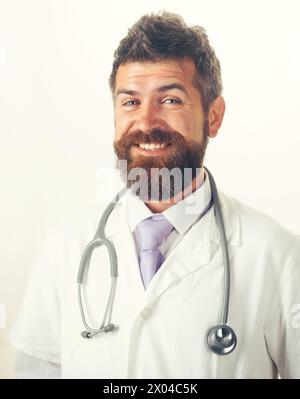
258 227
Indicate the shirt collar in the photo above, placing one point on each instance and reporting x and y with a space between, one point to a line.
181 215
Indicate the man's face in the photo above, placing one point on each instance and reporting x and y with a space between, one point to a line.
157 103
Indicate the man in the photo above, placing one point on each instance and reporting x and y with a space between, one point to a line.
166 87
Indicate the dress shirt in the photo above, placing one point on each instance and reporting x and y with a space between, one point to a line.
182 215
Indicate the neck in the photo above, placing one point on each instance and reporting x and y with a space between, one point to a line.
161 206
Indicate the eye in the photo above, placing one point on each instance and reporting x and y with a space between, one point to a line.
172 101
130 103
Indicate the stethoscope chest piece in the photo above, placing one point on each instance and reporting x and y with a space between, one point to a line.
221 339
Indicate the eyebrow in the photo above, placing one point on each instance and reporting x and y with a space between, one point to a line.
160 89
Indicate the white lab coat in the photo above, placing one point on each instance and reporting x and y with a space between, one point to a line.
162 331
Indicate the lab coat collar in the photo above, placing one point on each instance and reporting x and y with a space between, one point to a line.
231 219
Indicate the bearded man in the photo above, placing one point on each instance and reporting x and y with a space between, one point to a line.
186 298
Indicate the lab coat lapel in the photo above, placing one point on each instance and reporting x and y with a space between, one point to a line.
196 244
194 251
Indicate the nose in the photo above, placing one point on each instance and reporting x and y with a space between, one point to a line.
147 118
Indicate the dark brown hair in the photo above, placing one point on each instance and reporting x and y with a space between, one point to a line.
165 36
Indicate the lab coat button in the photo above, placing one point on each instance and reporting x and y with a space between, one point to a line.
145 313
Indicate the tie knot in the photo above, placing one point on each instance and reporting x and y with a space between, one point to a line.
153 230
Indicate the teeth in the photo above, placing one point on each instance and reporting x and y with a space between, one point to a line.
151 146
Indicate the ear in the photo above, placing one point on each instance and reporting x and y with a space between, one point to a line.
215 116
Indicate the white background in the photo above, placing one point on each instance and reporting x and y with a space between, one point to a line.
56 117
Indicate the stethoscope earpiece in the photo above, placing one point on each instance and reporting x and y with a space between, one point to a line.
221 339
107 328
86 334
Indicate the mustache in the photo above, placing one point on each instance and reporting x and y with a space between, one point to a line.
156 136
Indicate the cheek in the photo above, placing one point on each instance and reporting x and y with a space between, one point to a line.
192 127
184 125
121 126
174 121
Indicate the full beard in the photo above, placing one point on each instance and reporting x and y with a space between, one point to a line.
160 177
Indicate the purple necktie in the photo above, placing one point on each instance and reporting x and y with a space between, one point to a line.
150 233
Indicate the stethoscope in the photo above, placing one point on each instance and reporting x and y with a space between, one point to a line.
221 339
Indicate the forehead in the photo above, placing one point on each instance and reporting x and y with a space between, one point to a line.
150 73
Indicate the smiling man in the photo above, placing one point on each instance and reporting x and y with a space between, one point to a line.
161 121
167 100
170 270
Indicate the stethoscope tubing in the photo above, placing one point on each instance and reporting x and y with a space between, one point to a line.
221 338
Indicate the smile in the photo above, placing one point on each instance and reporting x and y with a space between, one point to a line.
151 148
